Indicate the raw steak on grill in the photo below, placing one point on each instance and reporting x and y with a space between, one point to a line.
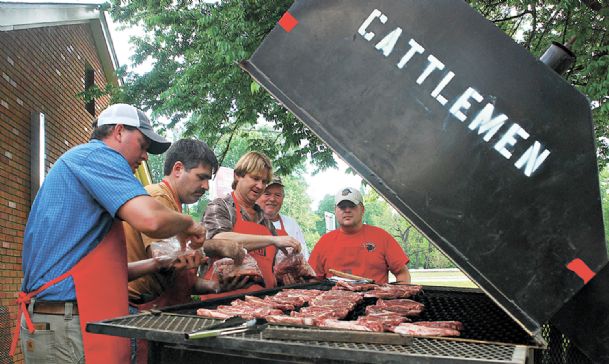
391 291
290 320
212 313
455 325
305 294
283 306
386 322
417 330
371 310
354 287
335 312
349 325
404 303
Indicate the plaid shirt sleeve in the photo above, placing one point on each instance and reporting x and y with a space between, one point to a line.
218 217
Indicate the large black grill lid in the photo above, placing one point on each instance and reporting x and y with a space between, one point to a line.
485 149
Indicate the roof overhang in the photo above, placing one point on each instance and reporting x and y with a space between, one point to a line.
29 15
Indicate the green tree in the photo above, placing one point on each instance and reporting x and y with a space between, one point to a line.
194 48
422 253
325 205
297 204
604 185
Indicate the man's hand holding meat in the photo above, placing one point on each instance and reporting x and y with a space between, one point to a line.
194 236
284 242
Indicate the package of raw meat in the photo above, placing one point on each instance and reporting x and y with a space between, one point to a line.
225 268
294 265
171 249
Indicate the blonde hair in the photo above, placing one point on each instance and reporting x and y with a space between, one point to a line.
253 163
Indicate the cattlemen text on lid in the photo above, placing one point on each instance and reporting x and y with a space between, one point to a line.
487 123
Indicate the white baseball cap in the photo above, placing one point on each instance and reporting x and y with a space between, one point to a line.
132 116
348 194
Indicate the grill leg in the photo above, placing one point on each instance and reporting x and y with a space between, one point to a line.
154 352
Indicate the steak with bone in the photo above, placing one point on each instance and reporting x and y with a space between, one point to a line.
387 323
354 287
349 325
392 291
404 307
290 320
283 306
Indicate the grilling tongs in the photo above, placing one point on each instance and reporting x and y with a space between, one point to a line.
232 325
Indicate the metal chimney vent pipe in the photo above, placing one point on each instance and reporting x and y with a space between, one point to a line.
558 57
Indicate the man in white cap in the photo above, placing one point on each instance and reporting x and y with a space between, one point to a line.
271 201
357 248
74 256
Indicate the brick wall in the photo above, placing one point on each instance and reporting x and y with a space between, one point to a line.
41 70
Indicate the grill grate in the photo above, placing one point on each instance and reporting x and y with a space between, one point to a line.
176 325
168 323
424 347
482 319
560 349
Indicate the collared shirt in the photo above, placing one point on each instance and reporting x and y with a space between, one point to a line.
221 215
72 212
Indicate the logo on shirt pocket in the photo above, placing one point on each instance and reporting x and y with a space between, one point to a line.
261 252
370 246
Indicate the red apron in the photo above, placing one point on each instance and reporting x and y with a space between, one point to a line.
176 294
100 279
281 232
265 257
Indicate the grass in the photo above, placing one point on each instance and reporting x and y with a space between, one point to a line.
449 278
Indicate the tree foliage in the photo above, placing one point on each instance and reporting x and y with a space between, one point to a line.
421 252
194 48
325 205
297 204
604 185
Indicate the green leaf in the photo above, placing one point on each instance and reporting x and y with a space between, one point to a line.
254 87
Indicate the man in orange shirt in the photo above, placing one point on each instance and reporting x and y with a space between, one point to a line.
358 248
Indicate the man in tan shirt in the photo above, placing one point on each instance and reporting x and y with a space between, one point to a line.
157 282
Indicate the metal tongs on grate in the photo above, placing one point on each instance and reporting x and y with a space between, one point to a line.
348 276
233 325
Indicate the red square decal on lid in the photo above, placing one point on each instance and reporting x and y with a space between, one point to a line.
288 22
